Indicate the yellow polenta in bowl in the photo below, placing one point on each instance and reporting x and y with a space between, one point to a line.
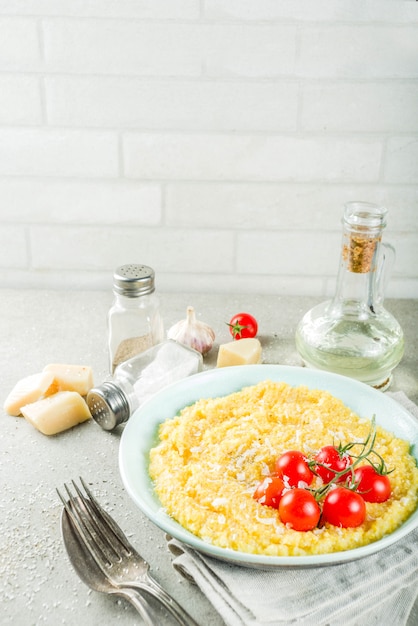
213 454
192 456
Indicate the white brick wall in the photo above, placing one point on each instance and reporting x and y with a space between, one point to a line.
215 140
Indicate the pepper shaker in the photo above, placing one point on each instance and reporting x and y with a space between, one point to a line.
134 320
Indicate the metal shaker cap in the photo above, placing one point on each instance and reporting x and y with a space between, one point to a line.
133 280
108 405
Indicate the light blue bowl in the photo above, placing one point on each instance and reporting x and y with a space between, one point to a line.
140 435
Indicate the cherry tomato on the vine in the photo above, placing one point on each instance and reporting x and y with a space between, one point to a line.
293 468
243 326
344 507
330 461
299 509
269 491
372 486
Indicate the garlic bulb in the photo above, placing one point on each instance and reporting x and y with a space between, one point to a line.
193 333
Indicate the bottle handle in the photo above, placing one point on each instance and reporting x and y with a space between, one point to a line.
386 266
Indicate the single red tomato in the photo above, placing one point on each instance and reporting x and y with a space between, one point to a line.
299 509
269 491
243 326
329 462
372 486
293 468
344 507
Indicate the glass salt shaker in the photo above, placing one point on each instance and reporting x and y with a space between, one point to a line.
136 380
353 334
134 320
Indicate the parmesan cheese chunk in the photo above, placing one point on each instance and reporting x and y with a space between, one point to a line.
239 352
56 413
71 377
28 390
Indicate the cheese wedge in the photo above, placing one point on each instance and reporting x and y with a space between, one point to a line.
57 413
239 352
71 377
28 390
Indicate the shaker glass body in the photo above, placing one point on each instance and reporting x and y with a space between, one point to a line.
134 325
134 320
158 367
136 380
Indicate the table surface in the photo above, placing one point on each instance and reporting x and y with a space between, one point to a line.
37 582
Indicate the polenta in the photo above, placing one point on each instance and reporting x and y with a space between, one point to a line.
210 458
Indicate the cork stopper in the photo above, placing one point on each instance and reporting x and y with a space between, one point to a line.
363 225
359 253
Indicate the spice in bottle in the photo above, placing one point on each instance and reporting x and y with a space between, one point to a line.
359 252
134 320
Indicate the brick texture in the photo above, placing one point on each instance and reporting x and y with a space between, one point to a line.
215 140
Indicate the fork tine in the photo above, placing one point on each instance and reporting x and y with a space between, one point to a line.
101 526
97 530
84 529
107 524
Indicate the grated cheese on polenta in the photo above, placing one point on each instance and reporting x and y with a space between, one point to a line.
211 456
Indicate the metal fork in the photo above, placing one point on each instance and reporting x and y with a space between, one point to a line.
112 552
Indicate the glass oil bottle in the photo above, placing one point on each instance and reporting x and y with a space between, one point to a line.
353 334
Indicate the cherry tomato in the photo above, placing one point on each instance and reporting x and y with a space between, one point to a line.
293 468
344 507
330 457
299 509
243 326
373 487
269 491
